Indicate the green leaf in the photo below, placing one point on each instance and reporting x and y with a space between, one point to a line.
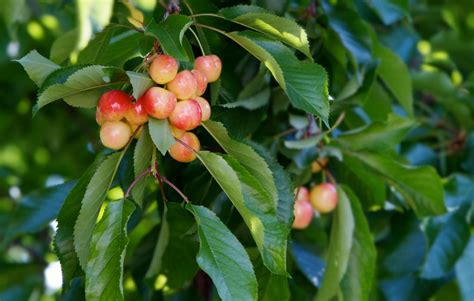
358 279
378 136
465 272
90 205
309 263
396 76
170 34
286 196
63 46
64 239
104 274
37 66
305 83
305 143
246 156
283 29
161 134
36 210
270 286
339 250
420 187
113 46
459 190
176 248
141 161
82 88
223 257
254 205
260 99
140 83
93 16
447 247
390 11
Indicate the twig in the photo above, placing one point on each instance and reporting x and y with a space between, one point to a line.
159 178
185 198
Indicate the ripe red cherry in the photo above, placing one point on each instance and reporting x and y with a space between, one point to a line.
323 197
158 102
201 80
184 85
182 153
137 114
205 108
115 134
163 69
302 194
210 65
114 105
303 214
187 115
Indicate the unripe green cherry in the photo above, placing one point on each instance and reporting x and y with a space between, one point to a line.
163 69
205 108
186 115
210 65
182 153
323 197
158 102
184 85
115 134
114 105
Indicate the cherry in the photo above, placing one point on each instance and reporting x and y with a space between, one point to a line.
303 214
323 197
115 134
205 108
201 81
186 115
158 102
302 194
163 69
114 105
134 127
319 164
177 133
210 65
99 118
182 153
184 85
137 114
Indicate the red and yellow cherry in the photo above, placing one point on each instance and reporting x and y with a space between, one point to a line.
115 134
302 194
205 108
136 133
323 197
137 114
177 133
158 102
184 85
303 214
98 117
319 164
201 81
163 69
186 115
184 153
210 65
114 105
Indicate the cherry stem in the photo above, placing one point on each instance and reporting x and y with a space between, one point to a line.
162 179
186 145
137 179
330 176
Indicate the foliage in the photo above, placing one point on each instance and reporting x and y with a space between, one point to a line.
381 88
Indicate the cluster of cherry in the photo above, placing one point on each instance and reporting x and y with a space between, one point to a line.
322 198
178 99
